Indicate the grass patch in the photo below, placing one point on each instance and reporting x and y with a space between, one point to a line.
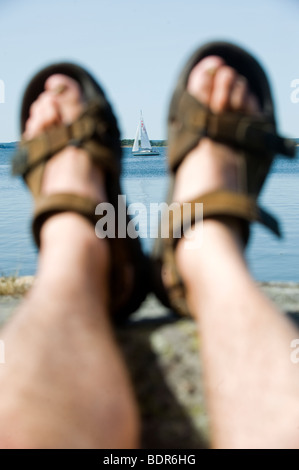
14 285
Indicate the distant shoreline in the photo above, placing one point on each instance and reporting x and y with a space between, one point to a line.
125 143
131 146
154 143
9 144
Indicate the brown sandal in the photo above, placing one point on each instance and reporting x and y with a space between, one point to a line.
97 132
254 137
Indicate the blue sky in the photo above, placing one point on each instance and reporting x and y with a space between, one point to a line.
136 49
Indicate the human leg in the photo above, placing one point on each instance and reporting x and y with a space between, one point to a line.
222 139
64 383
251 384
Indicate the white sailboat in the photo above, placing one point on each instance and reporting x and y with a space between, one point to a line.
142 145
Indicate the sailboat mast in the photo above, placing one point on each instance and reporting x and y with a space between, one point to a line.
145 143
136 141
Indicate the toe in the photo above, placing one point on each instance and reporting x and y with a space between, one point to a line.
67 94
59 83
201 78
220 87
223 85
61 102
239 94
43 113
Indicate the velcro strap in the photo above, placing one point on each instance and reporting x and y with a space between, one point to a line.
217 203
90 125
250 133
47 206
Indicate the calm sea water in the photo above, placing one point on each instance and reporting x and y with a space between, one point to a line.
145 180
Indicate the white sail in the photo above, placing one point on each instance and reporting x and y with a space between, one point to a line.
145 143
145 147
136 141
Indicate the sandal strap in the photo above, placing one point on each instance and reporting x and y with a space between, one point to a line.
49 205
89 131
192 121
216 204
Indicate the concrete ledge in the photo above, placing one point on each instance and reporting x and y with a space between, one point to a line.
162 356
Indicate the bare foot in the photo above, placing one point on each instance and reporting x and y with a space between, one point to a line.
71 169
211 165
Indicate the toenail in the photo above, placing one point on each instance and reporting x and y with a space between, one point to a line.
59 89
212 71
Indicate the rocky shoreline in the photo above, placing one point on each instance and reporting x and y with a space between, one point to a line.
161 352
284 294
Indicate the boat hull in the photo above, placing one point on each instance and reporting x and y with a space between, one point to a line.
144 153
